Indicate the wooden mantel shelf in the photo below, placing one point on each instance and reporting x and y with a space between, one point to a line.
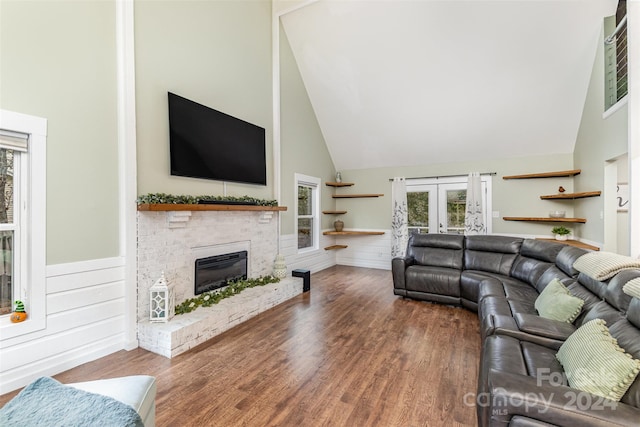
544 219
158 207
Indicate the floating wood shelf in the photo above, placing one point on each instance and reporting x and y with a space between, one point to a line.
575 243
543 219
339 184
353 233
558 174
355 196
334 212
205 207
332 247
572 196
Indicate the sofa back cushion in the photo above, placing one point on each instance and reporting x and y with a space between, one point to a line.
548 275
494 254
596 287
541 250
613 293
566 257
436 250
589 298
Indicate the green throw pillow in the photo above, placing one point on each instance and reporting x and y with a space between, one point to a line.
593 362
556 302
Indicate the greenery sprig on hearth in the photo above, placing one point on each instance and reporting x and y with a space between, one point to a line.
207 299
170 199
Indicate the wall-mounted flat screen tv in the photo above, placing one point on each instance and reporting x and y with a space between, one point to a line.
206 143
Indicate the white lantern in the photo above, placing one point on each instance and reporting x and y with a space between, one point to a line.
161 301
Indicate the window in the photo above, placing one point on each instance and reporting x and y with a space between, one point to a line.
307 212
616 81
10 231
22 220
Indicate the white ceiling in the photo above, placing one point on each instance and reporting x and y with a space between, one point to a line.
412 82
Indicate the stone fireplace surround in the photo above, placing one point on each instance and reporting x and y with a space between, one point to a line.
171 241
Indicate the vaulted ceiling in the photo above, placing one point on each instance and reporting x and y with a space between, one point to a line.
411 82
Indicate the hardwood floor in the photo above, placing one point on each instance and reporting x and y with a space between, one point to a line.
348 353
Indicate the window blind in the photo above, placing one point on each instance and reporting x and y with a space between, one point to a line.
14 140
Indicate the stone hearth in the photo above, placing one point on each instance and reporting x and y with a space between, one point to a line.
188 330
171 241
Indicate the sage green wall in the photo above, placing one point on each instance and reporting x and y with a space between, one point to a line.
59 63
302 145
598 140
510 197
217 53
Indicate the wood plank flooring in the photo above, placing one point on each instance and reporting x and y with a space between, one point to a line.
348 353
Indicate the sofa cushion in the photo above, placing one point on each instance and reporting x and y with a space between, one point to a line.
590 299
557 303
529 270
541 250
494 254
433 280
595 363
437 250
472 281
542 363
567 257
614 293
600 310
549 274
594 286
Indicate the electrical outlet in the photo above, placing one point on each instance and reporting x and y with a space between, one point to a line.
495 214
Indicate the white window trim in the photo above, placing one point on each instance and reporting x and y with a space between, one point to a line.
35 203
313 182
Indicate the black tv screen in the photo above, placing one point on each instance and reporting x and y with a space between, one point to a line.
206 143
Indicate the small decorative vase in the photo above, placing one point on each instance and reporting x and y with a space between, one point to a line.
280 267
338 225
19 315
338 177
562 236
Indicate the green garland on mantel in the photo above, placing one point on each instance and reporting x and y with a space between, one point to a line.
170 199
207 299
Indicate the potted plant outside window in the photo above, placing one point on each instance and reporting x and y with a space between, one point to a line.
561 232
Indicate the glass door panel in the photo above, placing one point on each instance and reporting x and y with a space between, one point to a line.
422 203
452 200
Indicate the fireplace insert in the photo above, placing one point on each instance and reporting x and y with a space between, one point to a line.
216 271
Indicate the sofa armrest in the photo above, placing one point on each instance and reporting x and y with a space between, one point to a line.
508 326
543 327
513 394
398 267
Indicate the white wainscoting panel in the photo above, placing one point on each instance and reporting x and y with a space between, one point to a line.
362 251
365 251
313 261
85 320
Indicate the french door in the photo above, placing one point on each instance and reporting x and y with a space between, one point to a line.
439 207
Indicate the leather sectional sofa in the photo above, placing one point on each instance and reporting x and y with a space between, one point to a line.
521 382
